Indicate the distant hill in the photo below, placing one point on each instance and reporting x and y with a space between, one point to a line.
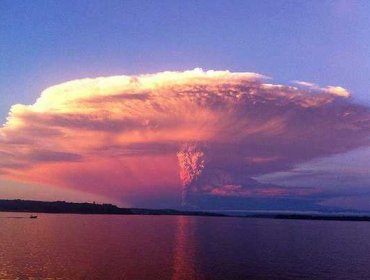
34 206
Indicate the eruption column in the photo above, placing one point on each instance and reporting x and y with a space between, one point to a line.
191 161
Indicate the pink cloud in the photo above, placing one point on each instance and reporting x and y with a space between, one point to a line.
120 136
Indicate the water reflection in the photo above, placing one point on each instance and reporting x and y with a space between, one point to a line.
186 265
75 247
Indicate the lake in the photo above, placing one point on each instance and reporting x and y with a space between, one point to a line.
63 246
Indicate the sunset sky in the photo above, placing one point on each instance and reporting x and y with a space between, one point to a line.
198 104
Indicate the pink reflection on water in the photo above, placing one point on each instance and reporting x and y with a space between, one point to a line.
185 254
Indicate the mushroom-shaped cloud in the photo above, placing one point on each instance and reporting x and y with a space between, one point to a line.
135 137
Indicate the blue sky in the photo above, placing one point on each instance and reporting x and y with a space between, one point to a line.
48 42
44 43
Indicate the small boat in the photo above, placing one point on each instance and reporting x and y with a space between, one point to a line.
33 217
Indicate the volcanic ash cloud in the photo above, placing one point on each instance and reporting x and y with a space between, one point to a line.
191 162
142 137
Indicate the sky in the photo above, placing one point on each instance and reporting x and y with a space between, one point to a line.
280 123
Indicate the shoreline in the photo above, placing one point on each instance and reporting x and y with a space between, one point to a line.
62 207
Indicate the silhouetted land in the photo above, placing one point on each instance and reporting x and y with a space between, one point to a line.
331 217
33 206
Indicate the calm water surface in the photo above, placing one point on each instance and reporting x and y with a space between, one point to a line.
176 247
